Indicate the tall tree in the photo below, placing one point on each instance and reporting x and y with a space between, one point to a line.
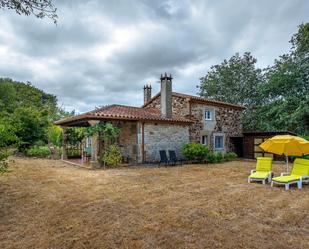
29 111
237 81
286 91
38 8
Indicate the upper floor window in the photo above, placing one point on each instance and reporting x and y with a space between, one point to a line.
209 115
219 142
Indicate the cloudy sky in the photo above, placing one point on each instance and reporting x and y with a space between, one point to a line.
103 52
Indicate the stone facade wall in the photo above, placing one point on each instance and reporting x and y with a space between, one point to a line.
180 106
227 121
128 141
164 137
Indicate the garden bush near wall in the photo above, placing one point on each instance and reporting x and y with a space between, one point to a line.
38 151
112 156
218 157
229 156
195 152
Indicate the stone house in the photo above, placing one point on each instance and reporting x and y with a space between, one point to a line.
166 121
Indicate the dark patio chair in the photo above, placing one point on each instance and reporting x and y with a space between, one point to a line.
173 158
163 158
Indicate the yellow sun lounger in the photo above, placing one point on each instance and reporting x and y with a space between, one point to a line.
299 175
263 170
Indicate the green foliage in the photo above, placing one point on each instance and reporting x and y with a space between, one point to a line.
7 139
300 40
200 153
75 135
4 160
74 152
38 151
218 157
54 135
7 96
214 157
235 80
195 152
29 113
15 95
30 126
112 156
108 132
229 156
7 136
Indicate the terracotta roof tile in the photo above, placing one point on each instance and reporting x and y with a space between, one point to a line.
125 113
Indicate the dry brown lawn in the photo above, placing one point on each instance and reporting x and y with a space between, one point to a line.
50 204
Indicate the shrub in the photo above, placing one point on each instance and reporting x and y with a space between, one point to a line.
54 135
4 160
211 157
112 156
74 152
7 139
38 151
229 156
214 157
219 157
195 152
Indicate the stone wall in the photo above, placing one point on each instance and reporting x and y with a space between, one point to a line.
227 121
164 137
180 106
128 141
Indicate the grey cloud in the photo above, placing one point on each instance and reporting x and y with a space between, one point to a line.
85 65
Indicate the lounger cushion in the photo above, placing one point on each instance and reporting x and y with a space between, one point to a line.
259 175
264 163
300 169
286 179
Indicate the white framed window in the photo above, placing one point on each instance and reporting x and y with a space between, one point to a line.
205 140
218 142
209 115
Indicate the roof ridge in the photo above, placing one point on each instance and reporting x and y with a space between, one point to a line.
195 97
100 108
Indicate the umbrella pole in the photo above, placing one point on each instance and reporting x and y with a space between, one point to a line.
287 164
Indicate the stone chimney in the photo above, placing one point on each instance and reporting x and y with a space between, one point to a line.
147 93
166 95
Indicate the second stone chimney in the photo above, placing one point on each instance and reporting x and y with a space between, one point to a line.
147 93
166 95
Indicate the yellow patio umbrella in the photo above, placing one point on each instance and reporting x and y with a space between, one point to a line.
286 145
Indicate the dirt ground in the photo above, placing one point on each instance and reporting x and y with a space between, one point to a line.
50 204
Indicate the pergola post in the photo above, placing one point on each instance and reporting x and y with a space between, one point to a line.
95 145
64 155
